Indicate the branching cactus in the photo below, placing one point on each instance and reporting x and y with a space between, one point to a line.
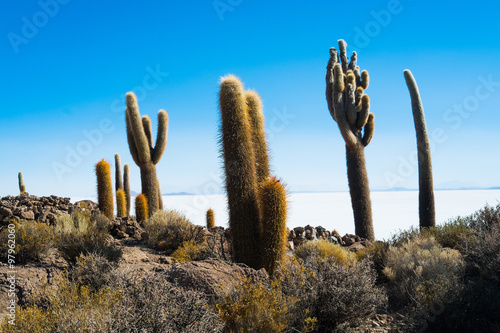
104 188
426 192
126 187
256 119
240 174
273 209
350 107
145 155
22 188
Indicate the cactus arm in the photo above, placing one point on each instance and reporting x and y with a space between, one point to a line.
368 130
146 124
137 129
365 79
343 55
354 60
131 141
329 80
351 112
161 137
364 111
338 105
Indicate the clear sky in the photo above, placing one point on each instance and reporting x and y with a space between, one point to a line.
67 64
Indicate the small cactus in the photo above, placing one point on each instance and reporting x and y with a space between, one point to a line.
104 188
126 187
22 188
141 208
118 173
121 204
427 213
210 219
273 205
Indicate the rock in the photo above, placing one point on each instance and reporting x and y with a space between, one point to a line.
212 277
27 215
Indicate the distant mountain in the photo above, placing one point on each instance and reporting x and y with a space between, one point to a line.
134 193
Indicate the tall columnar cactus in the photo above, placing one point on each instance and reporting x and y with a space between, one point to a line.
349 106
118 173
210 219
240 174
121 204
104 188
256 118
426 192
22 188
141 208
126 187
273 209
140 141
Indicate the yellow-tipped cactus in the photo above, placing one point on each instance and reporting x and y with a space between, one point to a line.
349 107
141 208
104 188
256 120
273 205
121 204
126 187
210 219
240 174
425 183
145 155
22 188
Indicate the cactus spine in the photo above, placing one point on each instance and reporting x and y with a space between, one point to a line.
273 205
22 188
141 208
256 119
121 204
146 156
349 107
210 219
126 187
426 192
104 188
240 173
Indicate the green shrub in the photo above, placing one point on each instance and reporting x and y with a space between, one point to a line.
32 240
422 274
167 230
85 234
323 249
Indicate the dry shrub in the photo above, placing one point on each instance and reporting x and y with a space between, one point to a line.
93 270
323 249
32 240
167 230
83 233
422 273
189 251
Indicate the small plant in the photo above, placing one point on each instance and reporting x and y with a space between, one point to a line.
126 187
141 208
167 230
22 188
210 219
188 251
32 240
93 270
104 189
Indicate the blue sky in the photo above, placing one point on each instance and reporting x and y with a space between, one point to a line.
67 64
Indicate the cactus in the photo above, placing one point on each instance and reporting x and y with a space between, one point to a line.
256 119
141 208
104 188
240 174
126 187
121 204
349 106
426 192
140 141
22 188
273 209
210 219
118 173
